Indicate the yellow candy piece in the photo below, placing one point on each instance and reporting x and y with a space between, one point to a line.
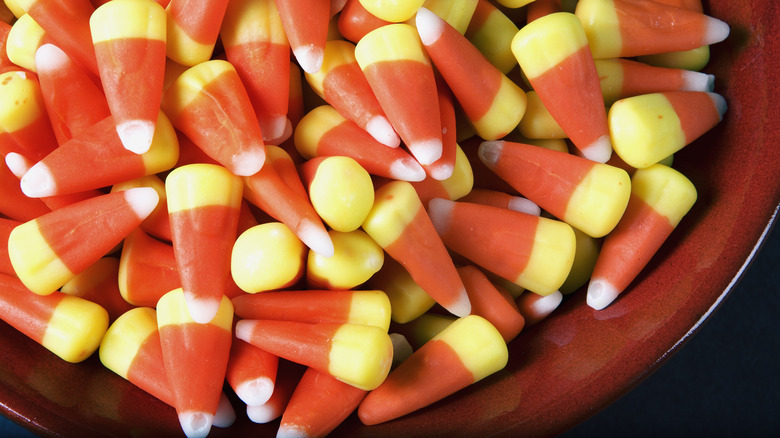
668 191
21 101
370 307
537 122
457 13
602 27
128 19
122 340
15 8
494 40
356 258
394 11
394 42
342 193
505 112
34 260
553 240
266 257
477 343
599 200
23 40
312 126
360 355
75 329
547 41
163 153
202 185
587 250
407 299
190 84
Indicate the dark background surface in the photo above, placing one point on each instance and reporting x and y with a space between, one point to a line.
724 382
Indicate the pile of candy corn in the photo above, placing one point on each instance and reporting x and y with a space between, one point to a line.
333 206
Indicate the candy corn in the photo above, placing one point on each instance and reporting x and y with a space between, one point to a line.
251 372
192 29
306 24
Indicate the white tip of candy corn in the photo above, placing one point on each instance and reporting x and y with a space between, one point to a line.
248 162
545 306
316 238
382 131
275 129
599 151
136 135
697 81
244 329
255 392
407 169
143 200
38 182
201 310
462 306
291 431
523 205
426 151
440 211
195 424
601 293
49 57
263 414
310 58
17 164
717 31
440 172
720 104
429 26
226 415
489 152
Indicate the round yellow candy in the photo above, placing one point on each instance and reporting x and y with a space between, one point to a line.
266 257
342 193
356 258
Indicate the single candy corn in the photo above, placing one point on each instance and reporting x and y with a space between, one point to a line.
251 372
192 29
357 354
68 24
203 205
467 351
392 10
587 195
195 356
369 307
533 252
341 83
621 78
129 38
660 198
277 189
492 102
392 58
355 21
24 123
626 28
535 307
97 159
318 405
50 250
553 53
73 101
491 32
98 283
306 24
209 104
68 326
147 269
492 303
256 45
341 191
407 299
325 132
399 223
266 257
648 128
356 257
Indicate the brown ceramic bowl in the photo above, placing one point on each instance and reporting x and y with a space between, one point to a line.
572 364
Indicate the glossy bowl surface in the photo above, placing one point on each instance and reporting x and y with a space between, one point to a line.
572 364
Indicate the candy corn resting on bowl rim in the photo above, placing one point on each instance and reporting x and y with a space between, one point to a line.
571 364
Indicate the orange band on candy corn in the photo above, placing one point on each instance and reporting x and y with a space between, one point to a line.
357 354
399 224
342 84
100 150
355 21
196 382
325 132
467 351
129 38
554 54
491 101
306 25
251 372
192 29
50 250
147 269
256 45
318 405
203 204
491 303
13 203
209 104
392 58
660 198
